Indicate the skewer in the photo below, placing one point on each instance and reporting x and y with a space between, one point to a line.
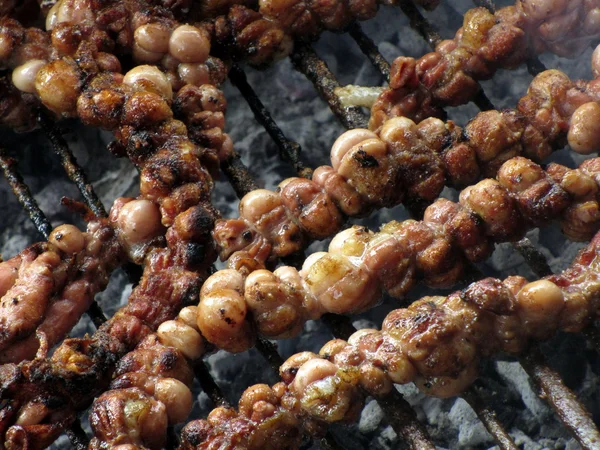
369 48
489 419
288 149
78 437
73 170
306 61
23 194
564 402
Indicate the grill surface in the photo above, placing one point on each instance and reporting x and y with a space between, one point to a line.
503 398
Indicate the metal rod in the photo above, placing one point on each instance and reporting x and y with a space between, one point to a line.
564 402
533 257
269 351
419 23
208 384
73 170
489 419
306 61
238 175
369 48
535 66
23 194
487 4
96 314
288 149
403 419
78 437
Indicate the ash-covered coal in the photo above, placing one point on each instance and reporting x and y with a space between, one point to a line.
304 117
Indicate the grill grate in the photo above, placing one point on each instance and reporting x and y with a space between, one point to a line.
399 413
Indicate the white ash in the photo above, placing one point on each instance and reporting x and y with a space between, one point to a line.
296 107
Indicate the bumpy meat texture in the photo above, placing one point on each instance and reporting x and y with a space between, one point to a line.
57 388
487 42
155 377
174 193
47 287
360 264
436 343
410 163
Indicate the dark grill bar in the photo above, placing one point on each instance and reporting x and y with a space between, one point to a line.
23 194
533 257
369 48
564 402
73 170
306 61
78 437
489 419
289 150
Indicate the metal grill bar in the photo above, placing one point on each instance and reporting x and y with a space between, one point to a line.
533 257
78 437
487 4
490 420
369 48
306 61
535 66
238 175
208 384
96 314
564 402
73 170
269 351
419 23
288 149
23 194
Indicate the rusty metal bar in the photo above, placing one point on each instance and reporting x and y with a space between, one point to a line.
288 149
238 175
23 194
403 419
208 384
73 170
489 419
369 48
533 257
96 314
535 66
78 437
306 61
419 23
564 402
268 350
487 4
